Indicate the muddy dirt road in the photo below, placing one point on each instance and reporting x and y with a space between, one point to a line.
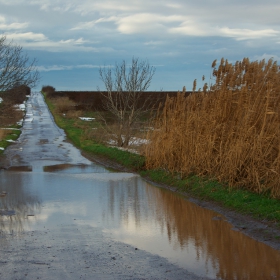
64 217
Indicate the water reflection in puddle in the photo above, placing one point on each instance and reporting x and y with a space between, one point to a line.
74 169
20 168
136 213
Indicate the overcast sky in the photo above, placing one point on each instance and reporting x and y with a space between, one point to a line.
71 39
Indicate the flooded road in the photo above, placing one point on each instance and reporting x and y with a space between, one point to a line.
63 217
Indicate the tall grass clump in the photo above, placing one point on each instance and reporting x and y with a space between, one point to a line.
230 131
63 105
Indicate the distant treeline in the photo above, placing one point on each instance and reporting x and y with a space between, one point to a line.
93 99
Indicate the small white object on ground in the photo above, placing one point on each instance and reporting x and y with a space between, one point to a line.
8 128
133 141
86 119
20 107
1 148
28 119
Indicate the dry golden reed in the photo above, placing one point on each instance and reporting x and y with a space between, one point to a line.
229 131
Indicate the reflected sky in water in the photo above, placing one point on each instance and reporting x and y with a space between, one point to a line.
136 213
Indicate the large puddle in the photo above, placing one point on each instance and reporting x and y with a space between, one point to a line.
133 212
49 186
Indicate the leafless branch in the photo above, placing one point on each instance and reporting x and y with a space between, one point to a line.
15 67
123 97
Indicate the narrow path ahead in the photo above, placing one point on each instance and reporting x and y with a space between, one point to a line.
60 221
41 139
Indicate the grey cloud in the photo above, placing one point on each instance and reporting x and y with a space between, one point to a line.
183 35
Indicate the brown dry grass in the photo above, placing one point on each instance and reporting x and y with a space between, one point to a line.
3 133
229 132
98 134
73 114
8 114
63 105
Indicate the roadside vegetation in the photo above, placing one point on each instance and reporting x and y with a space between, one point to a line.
229 132
8 136
87 135
12 110
220 143
18 73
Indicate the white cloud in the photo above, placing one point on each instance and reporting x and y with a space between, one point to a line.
15 25
145 23
82 7
135 23
179 17
54 68
11 26
65 67
89 66
38 41
108 6
193 28
154 43
27 36
79 41
169 32
174 5
158 24
91 24
244 34
266 56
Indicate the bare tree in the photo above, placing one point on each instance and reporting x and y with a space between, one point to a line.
15 67
123 97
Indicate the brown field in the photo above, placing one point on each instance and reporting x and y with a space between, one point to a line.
87 100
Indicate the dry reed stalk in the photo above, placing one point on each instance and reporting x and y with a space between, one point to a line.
230 132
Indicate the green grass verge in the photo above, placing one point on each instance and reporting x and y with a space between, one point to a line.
259 206
75 133
13 134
